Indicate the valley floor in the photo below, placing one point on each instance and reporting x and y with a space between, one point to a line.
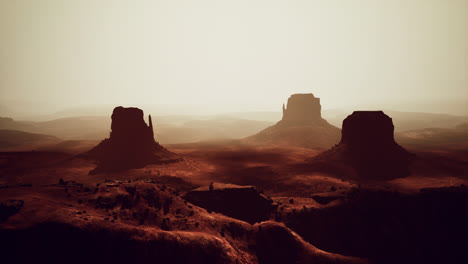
48 197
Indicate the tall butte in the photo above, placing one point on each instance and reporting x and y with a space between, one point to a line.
302 109
368 146
302 125
131 144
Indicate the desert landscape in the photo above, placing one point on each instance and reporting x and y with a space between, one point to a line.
233 132
300 191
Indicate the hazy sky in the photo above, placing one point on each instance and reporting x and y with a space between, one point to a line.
235 55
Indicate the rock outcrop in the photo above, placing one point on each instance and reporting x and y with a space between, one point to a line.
241 202
366 130
131 143
368 146
9 208
275 243
387 226
302 110
302 125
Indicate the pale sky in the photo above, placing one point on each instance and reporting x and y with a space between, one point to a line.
235 55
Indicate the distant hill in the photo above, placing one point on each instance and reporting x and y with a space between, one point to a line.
168 129
15 138
10 123
173 129
70 128
436 137
203 130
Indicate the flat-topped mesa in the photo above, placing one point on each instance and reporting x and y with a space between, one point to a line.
367 145
302 125
302 109
128 124
368 129
131 143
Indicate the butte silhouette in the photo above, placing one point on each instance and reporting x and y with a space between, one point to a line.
131 144
302 125
368 146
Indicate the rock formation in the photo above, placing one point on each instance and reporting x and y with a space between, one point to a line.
275 243
365 130
9 208
301 110
368 145
241 202
131 143
302 125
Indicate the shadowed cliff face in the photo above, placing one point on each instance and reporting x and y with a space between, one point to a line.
241 202
367 144
275 243
131 143
390 227
128 124
367 129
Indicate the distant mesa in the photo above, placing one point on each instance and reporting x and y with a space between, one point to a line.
368 146
368 130
302 125
302 110
131 144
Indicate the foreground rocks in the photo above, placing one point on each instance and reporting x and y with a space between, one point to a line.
131 144
278 244
390 227
140 222
241 202
9 208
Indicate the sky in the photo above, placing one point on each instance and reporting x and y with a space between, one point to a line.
243 55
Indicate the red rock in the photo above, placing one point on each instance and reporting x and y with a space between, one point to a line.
367 145
302 109
131 144
302 125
